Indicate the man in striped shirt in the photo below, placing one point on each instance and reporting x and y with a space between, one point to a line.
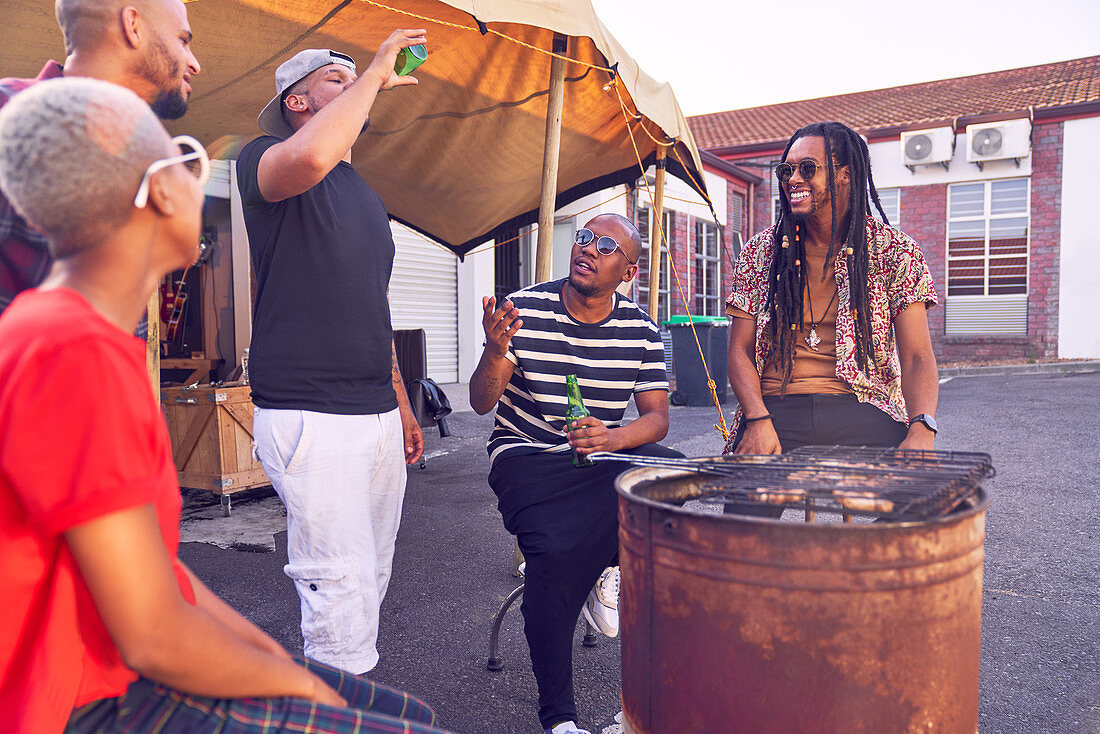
566 519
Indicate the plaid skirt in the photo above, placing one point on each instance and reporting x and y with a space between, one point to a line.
151 707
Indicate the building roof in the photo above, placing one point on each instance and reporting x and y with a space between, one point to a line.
1063 87
723 166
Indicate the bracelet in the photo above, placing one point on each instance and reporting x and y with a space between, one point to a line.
766 416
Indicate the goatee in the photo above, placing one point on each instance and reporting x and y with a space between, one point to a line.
169 106
585 289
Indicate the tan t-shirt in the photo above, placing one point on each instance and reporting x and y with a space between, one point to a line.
812 371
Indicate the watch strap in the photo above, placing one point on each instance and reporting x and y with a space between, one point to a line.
928 421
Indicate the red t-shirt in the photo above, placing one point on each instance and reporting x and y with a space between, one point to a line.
81 436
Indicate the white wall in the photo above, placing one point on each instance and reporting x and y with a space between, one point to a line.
1079 269
476 278
889 171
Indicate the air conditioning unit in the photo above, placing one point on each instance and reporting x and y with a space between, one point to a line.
920 147
998 141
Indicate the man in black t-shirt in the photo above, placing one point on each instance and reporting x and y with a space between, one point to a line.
333 425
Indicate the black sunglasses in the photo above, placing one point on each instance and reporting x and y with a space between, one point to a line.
604 244
807 169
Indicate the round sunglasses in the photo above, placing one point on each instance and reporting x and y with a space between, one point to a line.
807 169
604 244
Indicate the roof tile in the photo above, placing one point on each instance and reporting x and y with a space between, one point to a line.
1043 87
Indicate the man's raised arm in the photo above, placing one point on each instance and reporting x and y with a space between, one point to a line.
300 162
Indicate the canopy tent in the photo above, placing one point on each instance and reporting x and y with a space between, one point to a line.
459 157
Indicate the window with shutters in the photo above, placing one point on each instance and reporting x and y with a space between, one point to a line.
641 281
987 257
891 206
736 225
707 269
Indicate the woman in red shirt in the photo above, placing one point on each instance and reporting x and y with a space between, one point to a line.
102 626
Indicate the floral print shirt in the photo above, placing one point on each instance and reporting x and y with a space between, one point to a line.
899 277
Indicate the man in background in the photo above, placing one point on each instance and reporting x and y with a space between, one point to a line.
144 46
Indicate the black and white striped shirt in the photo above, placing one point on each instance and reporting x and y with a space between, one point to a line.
614 359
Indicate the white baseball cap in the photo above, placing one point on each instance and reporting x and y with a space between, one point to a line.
304 63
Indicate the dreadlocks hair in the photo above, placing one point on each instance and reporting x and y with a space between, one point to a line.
787 278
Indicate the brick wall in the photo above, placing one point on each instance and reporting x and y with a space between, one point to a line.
679 245
924 218
733 199
762 204
1046 223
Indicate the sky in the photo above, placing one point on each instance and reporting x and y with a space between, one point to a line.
724 55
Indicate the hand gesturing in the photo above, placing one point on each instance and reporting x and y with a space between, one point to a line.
501 324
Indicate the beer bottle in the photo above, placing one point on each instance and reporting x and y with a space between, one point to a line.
576 411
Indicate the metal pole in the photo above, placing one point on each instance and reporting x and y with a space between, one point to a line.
657 234
554 105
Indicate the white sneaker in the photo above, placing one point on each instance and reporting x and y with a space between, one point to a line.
601 608
566 727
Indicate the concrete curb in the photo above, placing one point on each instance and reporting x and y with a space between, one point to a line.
1039 368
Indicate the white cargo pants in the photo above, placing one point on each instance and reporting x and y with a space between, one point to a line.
342 479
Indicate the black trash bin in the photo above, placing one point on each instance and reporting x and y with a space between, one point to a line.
691 378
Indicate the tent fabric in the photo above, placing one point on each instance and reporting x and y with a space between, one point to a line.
458 157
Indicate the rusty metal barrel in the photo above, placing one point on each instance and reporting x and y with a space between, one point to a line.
736 624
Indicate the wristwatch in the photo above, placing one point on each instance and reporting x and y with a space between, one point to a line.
928 421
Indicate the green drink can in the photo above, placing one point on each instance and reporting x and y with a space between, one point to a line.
410 58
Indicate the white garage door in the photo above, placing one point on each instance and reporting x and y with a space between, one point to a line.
424 295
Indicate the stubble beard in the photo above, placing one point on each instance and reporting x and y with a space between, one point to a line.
815 204
162 70
317 108
585 289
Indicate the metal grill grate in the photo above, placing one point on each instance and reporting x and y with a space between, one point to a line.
840 480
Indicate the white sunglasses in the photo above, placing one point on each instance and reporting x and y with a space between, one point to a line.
192 151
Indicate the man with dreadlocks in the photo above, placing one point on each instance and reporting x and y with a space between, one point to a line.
829 342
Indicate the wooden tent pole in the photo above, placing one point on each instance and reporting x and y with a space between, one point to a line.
152 343
656 234
554 106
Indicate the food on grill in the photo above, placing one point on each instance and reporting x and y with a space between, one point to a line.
863 501
779 496
828 482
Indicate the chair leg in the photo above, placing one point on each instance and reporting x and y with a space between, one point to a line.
517 558
589 634
495 661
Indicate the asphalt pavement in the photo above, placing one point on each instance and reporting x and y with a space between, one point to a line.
1040 669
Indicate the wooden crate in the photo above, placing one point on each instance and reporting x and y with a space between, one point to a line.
211 430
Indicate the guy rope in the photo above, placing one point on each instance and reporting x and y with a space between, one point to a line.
630 120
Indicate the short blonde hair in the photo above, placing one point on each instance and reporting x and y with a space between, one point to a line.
72 155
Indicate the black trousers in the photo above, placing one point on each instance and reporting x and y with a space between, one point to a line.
822 420
567 523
